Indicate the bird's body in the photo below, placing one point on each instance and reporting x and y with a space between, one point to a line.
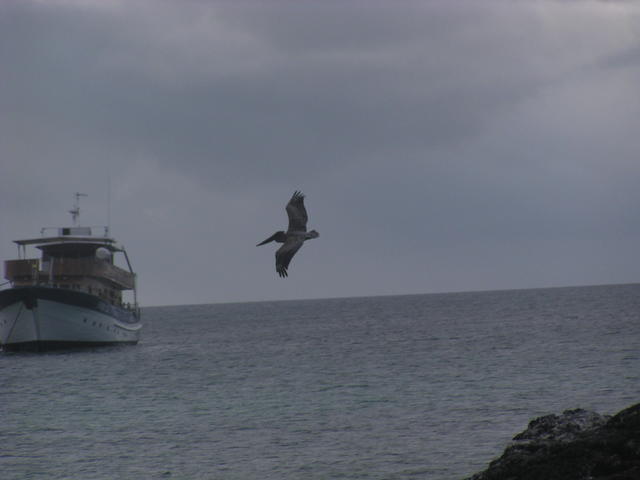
295 235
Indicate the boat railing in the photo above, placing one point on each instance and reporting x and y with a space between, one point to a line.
90 230
32 271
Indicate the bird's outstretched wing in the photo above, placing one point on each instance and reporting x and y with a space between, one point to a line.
285 253
297 213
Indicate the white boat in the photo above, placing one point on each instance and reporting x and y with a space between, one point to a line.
72 296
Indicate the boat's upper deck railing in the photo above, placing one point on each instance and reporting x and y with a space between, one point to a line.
33 271
82 231
67 236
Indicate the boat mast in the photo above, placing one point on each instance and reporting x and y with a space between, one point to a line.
108 227
75 211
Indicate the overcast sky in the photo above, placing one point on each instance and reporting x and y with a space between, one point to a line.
442 146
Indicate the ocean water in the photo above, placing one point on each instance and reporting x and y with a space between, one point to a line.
401 387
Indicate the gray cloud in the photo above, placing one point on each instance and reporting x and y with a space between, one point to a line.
442 146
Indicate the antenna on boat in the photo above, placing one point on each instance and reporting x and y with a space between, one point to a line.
75 211
108 227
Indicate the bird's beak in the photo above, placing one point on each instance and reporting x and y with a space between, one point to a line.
270 239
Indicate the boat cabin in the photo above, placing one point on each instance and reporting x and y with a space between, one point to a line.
74 259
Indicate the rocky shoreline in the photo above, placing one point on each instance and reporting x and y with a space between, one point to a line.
577 445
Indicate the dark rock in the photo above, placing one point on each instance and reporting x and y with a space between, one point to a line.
562 428
577 445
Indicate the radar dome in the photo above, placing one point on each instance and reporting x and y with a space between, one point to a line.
103 253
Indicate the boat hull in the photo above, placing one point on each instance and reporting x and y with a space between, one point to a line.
43 318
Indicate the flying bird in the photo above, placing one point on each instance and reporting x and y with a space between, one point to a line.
295 235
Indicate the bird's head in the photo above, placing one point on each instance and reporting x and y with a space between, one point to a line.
279 237
313 234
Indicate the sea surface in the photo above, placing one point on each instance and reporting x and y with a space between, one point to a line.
395 387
